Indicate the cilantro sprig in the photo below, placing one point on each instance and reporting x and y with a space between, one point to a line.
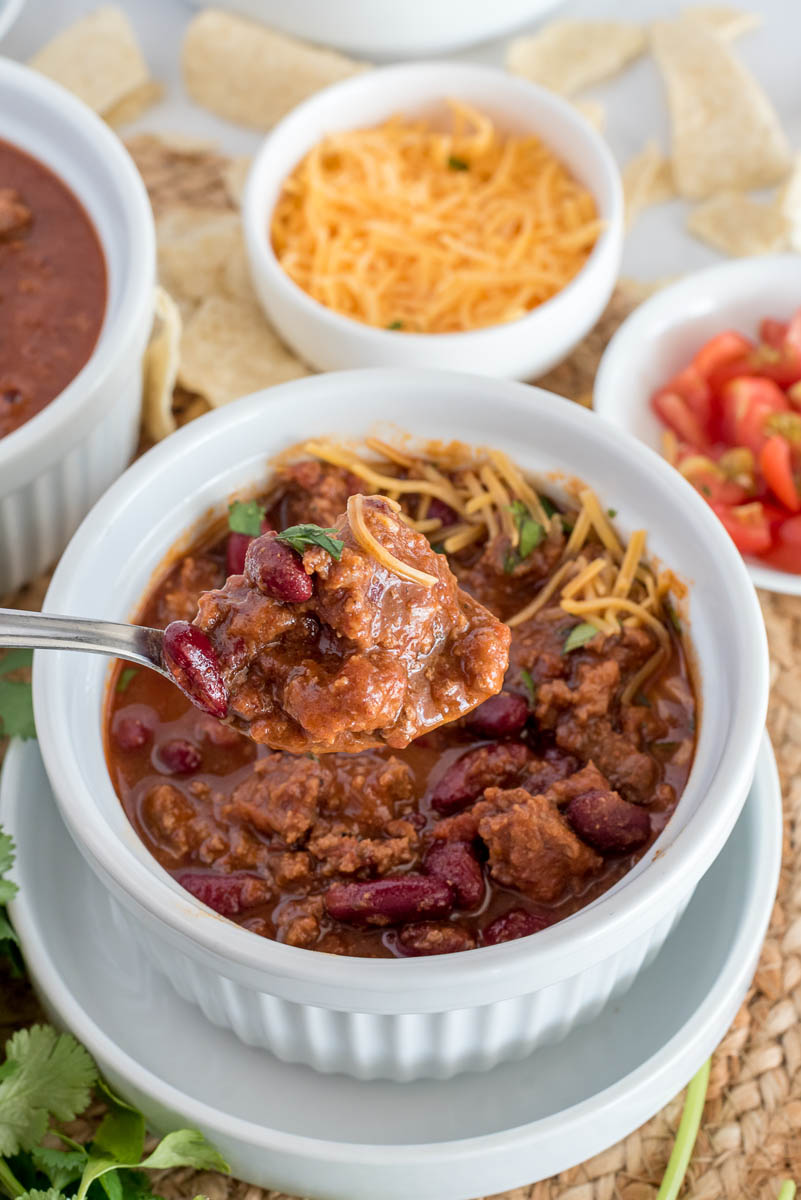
579 636
16 703
301 537
9 943
246 517
529 535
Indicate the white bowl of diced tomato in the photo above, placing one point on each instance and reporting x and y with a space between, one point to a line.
708 371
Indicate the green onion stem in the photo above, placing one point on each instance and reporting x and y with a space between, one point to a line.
685 1138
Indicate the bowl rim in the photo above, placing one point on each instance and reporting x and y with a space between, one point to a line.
259 244
725 279
559 948
117 331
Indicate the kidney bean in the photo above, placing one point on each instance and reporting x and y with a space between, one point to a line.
189 657
500 716
177 757
389 901
226 894
485 766
608 822
129 732
443 512
456 863
515 923
237 547
434 937
276 570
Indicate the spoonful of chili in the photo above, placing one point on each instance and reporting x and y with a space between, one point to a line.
330 640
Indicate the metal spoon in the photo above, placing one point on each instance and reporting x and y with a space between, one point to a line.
187 659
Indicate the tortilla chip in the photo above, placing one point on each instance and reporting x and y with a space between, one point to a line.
131 107
160 368
235 177
201 253
567 56
181 172
726 135
98 59
592 111
728 23
647 180
229 349
739 226
788 202
250 74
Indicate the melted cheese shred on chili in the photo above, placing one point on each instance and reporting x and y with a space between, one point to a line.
406 227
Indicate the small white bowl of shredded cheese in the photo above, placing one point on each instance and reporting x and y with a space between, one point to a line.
524 237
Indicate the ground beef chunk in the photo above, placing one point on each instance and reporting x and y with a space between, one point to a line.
531 847
434 937
588 779
281 796
495 577
591 696
315 492
347 854
15 215
293 870
198 574
168 814
369 790
299 922
631 772
330 654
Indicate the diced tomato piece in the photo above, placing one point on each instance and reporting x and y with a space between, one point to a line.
783 367
773 332
776 464
792 338
750 532
785 554
721 349
715 488
725 372
747 403
676 412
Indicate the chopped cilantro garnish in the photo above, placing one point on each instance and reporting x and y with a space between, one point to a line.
395 325
301 537
549 507
458 164
16 703
438 547
642 700
245 517
529 685
529 534
125 679
673 616
579 635
611 512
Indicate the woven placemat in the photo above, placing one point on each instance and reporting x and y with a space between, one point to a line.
751 1131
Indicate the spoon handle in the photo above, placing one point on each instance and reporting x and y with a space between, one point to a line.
44 631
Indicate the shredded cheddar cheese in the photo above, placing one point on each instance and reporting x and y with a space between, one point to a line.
407 227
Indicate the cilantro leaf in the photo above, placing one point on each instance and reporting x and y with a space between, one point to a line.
458 164
126 677
395 325
301 537
52 1193
529 535
184 1148
62 1167
246 517
16 705
45 1073
8 890
579 635
548 505
121 1133
529 685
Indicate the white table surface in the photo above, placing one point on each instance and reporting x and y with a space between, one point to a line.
657 246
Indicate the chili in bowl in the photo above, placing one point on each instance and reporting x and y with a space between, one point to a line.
248 876
77 273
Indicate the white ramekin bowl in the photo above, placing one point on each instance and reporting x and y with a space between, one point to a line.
519 349
663 334
401 1019
54 467
385 29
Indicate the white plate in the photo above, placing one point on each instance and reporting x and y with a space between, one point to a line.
328 1136
385 29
